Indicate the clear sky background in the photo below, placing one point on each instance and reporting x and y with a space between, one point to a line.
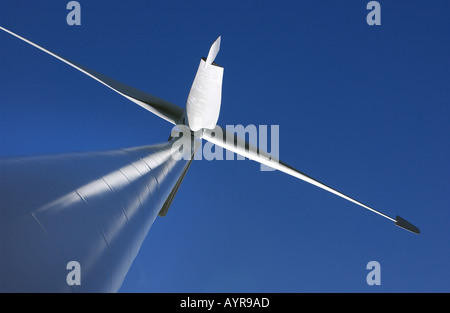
365 109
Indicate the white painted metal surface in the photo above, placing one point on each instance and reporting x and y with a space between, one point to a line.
205 96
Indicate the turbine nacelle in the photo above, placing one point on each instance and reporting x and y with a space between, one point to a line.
205 96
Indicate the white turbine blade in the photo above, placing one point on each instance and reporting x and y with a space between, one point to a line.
213 51
237 145
162 108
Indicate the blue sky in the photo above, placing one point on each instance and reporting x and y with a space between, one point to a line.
365 109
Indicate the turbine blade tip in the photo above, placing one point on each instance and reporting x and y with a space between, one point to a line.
400 222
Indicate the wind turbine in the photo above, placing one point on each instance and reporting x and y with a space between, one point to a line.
96 208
